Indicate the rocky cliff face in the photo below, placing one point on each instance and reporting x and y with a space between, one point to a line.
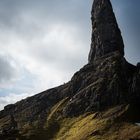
106 36
108 88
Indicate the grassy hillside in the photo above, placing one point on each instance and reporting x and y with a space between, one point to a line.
107 125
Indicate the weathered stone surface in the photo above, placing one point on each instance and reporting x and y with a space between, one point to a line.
138 65
107 84
106 36
107 80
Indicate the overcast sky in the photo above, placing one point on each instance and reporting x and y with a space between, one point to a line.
43 42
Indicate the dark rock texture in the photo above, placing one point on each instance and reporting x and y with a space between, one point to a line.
107 80
106 36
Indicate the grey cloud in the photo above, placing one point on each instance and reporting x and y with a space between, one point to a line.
8 71
63 61
29 18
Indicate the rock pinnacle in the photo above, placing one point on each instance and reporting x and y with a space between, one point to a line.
106 35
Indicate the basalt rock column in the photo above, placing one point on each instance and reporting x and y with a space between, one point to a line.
106 36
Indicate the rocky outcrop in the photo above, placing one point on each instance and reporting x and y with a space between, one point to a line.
106 36
108 80
108 83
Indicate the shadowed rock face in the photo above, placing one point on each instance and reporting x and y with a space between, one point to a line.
106 36
107 80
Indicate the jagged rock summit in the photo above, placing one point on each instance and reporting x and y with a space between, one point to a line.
101 101
106 36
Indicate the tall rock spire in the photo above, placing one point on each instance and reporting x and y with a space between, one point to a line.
106 36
